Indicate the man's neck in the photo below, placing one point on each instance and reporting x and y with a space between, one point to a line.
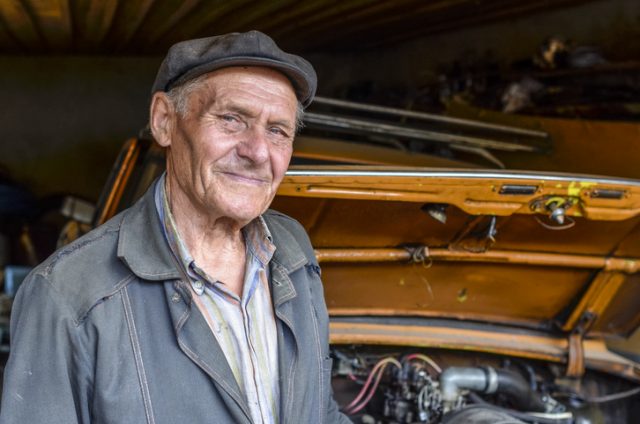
216 243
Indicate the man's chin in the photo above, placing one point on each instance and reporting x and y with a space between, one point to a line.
243 214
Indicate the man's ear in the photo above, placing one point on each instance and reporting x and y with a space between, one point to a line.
162 118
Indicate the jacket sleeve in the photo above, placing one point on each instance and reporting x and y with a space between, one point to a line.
46 376
333 413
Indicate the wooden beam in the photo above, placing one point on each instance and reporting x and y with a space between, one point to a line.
53 19
167 16
20 24
93 19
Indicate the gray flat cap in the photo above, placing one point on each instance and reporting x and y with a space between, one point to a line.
189 59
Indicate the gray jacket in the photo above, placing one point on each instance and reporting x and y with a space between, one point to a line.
105 331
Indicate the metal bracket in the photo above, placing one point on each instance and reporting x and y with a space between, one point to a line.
575 362
477 236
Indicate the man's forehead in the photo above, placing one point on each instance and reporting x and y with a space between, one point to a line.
246 74
235 88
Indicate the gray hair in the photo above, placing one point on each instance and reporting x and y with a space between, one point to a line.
179 96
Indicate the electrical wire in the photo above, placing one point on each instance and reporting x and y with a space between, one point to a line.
355 409
600 399
558 227
354 406
376 372
614 396
424 358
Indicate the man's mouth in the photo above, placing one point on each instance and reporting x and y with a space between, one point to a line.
246 178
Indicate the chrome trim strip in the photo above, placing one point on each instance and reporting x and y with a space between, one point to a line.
465 174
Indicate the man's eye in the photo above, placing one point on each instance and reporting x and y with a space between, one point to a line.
229 118
231 122
278 131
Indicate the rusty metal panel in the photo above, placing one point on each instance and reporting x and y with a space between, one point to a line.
579 146
477 291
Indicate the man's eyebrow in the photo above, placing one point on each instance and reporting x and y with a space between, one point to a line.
239 109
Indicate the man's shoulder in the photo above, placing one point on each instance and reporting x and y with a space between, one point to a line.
278 222
287 231
85 270
272 215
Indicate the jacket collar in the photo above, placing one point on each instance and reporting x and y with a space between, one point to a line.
288 257
141 243
289 253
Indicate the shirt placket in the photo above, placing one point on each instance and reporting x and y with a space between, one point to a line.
253 358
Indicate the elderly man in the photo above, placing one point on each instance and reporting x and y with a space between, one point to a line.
194 305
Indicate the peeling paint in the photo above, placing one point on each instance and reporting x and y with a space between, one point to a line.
575 187
462 295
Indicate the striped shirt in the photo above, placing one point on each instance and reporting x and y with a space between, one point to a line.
244 326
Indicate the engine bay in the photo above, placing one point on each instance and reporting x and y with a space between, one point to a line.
380 385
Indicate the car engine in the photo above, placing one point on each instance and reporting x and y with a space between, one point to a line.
375 387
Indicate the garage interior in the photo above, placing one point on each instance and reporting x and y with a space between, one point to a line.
75 79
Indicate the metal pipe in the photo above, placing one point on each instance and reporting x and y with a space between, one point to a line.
345 255
455 379
489 380
428 117
355 124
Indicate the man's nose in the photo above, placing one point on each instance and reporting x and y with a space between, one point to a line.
254 145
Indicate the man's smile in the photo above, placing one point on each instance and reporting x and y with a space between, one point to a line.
245 178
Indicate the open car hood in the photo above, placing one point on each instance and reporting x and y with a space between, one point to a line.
495 257
494 274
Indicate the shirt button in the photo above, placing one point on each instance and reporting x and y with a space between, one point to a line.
175 298
198 286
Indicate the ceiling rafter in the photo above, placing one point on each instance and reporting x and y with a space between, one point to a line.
92 19
53 21
376 15
163 18
250 16
293 14
487 16
422 19
151 26
129 17
8 42
19 23
201 20
339 13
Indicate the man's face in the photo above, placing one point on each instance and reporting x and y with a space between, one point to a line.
230 151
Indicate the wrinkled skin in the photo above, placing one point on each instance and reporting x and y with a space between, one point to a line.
225 160
230 151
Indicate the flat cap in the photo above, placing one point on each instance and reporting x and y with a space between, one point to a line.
189 59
